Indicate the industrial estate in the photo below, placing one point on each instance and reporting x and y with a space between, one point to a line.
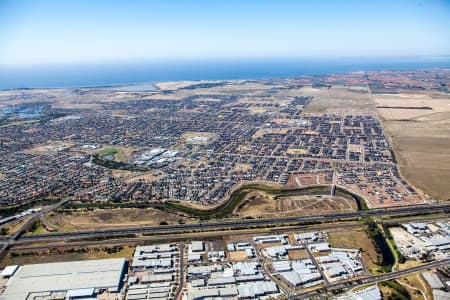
315 187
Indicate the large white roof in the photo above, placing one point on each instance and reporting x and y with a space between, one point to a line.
64 276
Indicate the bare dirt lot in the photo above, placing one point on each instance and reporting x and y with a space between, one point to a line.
298 180
297 254
108 218
341 99
260 204
237 255
421 139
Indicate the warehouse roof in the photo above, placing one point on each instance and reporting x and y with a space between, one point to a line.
64 276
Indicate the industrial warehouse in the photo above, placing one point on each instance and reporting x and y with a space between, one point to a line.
66 280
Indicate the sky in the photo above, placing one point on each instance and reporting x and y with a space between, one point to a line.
49 32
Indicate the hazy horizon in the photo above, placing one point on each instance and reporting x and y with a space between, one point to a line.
101 74
50 32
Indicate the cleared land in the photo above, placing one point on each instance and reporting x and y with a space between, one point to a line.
259 203
421 139
341 99
237 255
239 198
109 218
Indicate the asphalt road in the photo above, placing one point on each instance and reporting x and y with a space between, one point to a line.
235 224
181 286
371 279
13 238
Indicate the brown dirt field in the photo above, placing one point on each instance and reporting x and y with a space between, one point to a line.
145 177
354 148
356 239
121 173
268 245
322 253
409 264
340 99
401 114
297 254
315 204
108 218
237 255
297 151
421 146
385 291
94 253
421 139
441 104
263 131
258 202
258 110
14 226
306 179
242 167
46 149
261 204
415 281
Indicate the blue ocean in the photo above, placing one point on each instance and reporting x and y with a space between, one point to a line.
84 75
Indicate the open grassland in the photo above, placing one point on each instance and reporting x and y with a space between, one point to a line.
341 99
111 218
415 285
422 147
108 151
421 139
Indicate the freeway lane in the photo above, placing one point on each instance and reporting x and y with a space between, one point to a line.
234 224
164 237
7 243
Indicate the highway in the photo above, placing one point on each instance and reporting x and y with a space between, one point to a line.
236 224
13 238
